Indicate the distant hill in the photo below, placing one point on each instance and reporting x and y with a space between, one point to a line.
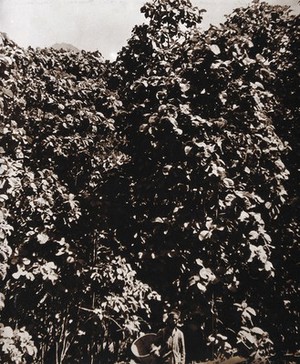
65 46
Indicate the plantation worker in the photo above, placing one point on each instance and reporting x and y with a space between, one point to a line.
169 345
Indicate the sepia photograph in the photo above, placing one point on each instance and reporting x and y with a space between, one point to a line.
149 182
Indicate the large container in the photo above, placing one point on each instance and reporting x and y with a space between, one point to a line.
141 349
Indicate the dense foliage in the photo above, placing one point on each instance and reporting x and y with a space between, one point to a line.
64 277
210 119
172 172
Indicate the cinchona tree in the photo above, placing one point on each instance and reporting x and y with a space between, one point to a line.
173 162
67 293
207 180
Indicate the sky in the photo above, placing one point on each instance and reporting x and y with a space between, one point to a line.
103 25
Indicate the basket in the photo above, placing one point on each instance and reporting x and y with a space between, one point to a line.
141 348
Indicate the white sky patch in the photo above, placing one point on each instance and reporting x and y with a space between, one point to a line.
112 56
103 25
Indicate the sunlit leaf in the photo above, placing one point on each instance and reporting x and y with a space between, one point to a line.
215 49
42 238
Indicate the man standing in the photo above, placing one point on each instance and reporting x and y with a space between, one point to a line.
169 345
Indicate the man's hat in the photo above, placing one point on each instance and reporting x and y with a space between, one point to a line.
175 312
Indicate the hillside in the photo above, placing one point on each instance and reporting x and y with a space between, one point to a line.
65 46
